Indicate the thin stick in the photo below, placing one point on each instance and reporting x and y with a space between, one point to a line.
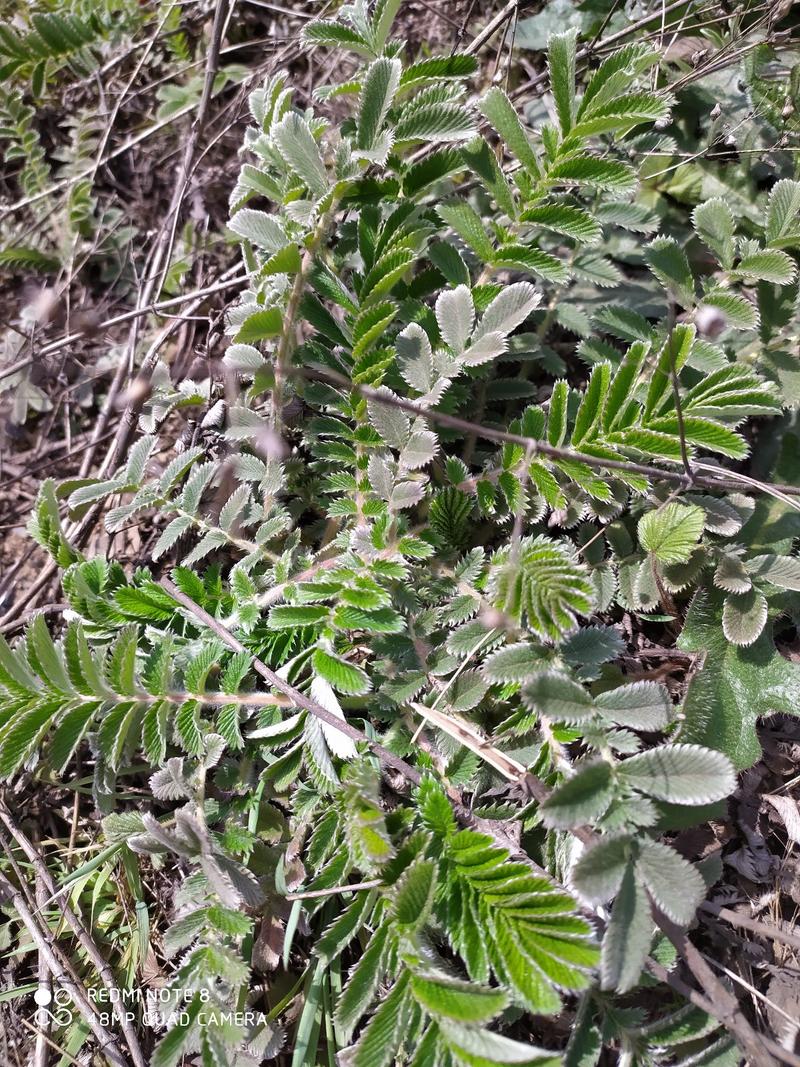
491 27
331 891
731 480
82 934
774 933
106 1040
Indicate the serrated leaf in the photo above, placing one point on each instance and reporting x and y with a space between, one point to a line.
468 225
782 571
450 998
414 894
744 616
508 310
680 774
583 798
739 313
392 424
768 265
675 885
301 152
561 51
735 686
262 229
379 87
713 224
479 1048
623 113
671 532
455 314
782 228
435 122
363 981
257 327
668 262
523 257
606 175
639 705
289 616
627 938
343 676
338 742
562 218
598 873
514 663
500 112
558 697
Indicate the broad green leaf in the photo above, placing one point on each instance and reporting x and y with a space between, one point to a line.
680 774
671 532
260 325
731 575
514 663
782 571
464 1002
469 226
383 15
480 1048
744 616
592 403
616 73
639 705
260 228
584 798
436 68
343 676
667 260
714 225
602 174
414 894
676 885
769 265
563 218
296 615
435 122
558 697
337 35
523 257
782 226
737 310
735 686
627 938
598 872
623 113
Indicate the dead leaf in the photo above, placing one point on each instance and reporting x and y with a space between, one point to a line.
789 813
268 945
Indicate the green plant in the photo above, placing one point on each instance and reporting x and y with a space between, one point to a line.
425 570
